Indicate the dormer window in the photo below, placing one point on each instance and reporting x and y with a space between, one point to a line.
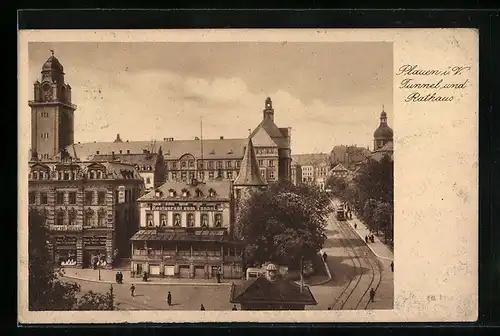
230 151
212 152
158 193
171 193
199 193
185 193
212 193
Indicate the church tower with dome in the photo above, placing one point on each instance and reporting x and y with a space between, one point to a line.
52 113
383 135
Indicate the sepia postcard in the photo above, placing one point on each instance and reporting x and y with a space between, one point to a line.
175 176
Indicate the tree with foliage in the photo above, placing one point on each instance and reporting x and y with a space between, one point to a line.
283 223
45 290
96 301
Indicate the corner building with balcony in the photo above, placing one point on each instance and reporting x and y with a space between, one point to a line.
185 232
89 208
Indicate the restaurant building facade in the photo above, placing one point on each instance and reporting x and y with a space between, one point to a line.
185 232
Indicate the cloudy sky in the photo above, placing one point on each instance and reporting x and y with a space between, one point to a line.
328 93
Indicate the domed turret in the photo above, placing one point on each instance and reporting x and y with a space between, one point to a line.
383 131
383 134
52 70
52 64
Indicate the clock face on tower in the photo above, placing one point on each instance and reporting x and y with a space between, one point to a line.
47 92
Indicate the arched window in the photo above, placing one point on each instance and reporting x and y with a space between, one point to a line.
35 175
92 175
101 220
212 193
72 217
204 220
149 220
218 220
190 220
163 219
89 219
60 217
99 174
177 220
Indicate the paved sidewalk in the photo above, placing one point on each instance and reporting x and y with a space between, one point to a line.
108 276
384 297
379 249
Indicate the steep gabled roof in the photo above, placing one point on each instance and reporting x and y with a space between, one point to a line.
262 139
249 174
172 150
339 167
261 290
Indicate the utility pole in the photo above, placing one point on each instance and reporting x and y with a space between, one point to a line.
301 274
111 298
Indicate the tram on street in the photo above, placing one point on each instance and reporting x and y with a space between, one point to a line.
340 214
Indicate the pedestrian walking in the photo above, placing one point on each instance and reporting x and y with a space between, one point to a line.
234 307
366 239
117 277
325 256
217 276
145 277
132 290
202 307
121 277
169 299
355 225
372 295
372 238
392 266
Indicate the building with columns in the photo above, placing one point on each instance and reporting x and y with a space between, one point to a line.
89 208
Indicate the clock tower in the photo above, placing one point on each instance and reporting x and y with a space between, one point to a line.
52 113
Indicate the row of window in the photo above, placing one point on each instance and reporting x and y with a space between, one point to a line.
270 163
266 150
210 164
44 135
44 114
177 220
68 175
186 193
68 197
90 218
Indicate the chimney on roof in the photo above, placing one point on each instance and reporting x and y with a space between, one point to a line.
118 139
222 138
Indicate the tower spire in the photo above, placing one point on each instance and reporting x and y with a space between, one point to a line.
52 52
249 174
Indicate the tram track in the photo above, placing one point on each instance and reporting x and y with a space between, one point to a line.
356 291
